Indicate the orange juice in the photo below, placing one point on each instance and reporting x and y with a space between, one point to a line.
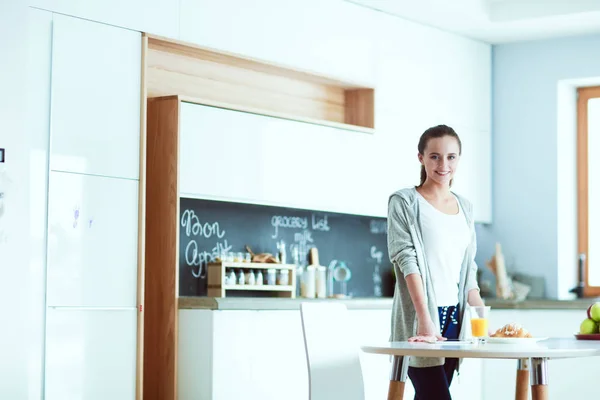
479 327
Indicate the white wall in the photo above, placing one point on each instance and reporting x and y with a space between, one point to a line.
534 176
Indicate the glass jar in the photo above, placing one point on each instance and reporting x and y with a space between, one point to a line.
271 276
250 279
283 278
259 277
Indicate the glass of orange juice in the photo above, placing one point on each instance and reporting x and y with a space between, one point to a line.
479 322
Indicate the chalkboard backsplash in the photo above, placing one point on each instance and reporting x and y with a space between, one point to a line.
209 227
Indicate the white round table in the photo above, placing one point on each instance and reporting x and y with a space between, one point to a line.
530 355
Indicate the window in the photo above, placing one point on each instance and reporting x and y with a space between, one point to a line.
588 187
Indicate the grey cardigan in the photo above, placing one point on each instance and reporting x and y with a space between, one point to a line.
405 248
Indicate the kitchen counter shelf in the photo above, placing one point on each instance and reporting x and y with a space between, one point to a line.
264 288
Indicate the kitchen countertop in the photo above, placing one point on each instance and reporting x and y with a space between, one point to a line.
257 304
274 303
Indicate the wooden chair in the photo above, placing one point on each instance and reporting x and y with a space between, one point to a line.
334 370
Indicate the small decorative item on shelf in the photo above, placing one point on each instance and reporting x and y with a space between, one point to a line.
262 257
278 280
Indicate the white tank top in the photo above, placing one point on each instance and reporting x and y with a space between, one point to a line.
445 241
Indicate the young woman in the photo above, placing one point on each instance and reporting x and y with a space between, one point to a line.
431 243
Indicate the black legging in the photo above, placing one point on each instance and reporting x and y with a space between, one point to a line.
433 383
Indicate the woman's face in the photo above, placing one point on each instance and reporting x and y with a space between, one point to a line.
441 159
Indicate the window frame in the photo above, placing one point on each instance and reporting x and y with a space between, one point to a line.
583 95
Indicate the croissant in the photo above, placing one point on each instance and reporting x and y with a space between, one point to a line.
513 330
261 257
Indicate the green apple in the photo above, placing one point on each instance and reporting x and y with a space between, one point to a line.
588 326
595 312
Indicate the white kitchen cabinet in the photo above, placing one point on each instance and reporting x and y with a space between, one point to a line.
159 17
248 157
92 241
90 354
428 77
260 355
328 37
96 86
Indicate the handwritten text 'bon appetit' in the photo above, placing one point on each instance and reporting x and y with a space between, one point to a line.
197 230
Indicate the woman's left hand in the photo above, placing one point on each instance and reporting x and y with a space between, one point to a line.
427 339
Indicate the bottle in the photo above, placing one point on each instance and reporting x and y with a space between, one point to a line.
259 278
250 279
299 270
231 277
321 281
308 286
271 276
283 279
241 278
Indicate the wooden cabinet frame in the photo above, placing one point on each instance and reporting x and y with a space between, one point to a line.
583 95
174 71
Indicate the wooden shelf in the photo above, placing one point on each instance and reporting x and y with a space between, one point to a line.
207 76
264 288
216 277
253 110
251 265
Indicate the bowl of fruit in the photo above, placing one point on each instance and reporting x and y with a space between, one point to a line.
590 327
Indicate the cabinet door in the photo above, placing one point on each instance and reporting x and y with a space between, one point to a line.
335 38
159 17
96 84
92 241
248 157
90 354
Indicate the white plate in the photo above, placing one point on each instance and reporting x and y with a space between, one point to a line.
514 340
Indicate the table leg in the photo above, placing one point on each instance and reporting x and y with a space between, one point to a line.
522 392
398 377
539 378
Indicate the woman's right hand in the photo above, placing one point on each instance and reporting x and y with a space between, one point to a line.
426 331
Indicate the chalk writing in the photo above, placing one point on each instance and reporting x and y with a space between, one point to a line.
193 226
278 221
377 256
320 223
198 258
378 227
303 241
194 256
